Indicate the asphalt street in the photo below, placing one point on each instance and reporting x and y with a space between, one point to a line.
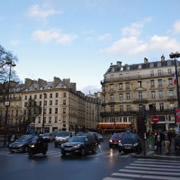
105 164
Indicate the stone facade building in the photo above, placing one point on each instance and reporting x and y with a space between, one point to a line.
62 106
132 94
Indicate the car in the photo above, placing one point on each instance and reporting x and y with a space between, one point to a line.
100 137
130 142
79 144
95 135
21 144
177 143
47 137
37 145
62 137
115 139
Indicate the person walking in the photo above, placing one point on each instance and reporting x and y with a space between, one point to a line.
167 142
158 141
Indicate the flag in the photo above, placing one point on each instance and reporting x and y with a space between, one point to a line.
175 77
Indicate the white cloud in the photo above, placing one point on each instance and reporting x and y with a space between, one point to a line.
36 11
104 37
14 42
134 46
135 28
176 28
49 35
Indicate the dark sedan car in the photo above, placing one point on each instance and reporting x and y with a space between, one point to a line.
79 144
115 139
177 143
21 144
130 142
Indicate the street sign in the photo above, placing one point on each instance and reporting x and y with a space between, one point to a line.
177 115
155 119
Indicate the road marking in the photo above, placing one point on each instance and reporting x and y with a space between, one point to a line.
149 172
164 163
145 176
151 165
112 178
148 168
158 160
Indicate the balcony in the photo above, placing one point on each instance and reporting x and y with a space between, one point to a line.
140 101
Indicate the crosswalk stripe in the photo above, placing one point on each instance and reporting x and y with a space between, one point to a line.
145 176
149 172
153 162
157 160
152 165
148 168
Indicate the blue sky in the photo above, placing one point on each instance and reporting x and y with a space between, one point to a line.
79 39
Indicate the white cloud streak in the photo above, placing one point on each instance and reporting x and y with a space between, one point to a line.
104 37
176 28
36 11
50 35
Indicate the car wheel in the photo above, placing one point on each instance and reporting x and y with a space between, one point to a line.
94 149
12 151
83 152
63 153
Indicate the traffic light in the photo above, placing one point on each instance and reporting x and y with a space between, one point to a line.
145 121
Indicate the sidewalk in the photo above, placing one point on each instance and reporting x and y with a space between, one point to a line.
152 154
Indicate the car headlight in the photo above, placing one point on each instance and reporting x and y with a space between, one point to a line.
32 146
77 146
136 144
110 140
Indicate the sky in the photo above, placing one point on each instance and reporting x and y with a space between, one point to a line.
79 39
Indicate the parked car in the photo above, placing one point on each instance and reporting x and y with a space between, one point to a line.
21 144
95 135
100 137
37 145
79 144
130 142
115 139
177 143
47 137
62 137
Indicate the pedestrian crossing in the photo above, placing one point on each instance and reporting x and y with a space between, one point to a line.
148 169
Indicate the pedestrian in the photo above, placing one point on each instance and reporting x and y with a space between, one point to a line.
158 141
167 142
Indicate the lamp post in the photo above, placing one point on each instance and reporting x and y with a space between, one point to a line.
7 102
174 56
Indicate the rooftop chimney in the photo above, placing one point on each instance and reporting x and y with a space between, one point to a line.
119 63
162 58
145 60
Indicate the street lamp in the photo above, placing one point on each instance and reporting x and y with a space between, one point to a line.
7 102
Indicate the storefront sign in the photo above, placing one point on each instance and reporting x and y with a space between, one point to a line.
177 115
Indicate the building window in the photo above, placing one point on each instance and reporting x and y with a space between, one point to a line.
57 94
50 110
64 110
169 71
140 96
56 103
127 85
50 95
49 120
40 96
64 94
128 96
112 97
45 95
139 84
170 81
160 94
153 95
120 97
120 119
35 96
64 102
111 87
112 109
141 107
45 103
152 73
56 110
171 93
128 108
121 108
25 97
152 83
160 82
161 106
159 72
39 120
56 119
120 86
50 102
125 119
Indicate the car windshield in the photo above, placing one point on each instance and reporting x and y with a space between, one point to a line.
46 134
24 138
129 138
34 139
117 135
63 134
77 139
